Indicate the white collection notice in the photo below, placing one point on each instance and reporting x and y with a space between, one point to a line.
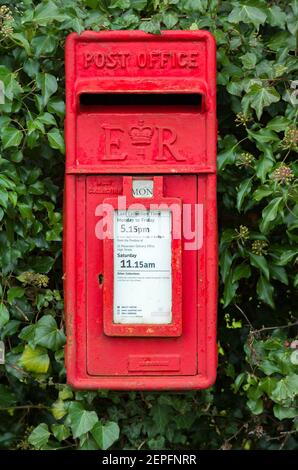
142 267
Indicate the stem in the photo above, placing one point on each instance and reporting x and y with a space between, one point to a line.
266 328
276 327
25 407
245 316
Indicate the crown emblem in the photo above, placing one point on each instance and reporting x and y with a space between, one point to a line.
141 135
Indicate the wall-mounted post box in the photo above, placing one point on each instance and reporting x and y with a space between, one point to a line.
140 241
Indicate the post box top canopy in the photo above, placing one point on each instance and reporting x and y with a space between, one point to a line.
183 55
123 83
136 35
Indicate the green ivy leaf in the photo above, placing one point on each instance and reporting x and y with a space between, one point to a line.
22 41
278 124
157 443
160 414
265 291
263 136
47 12
41 264
43 45
47 334
260 96
15 293
268 385
227 157
169 20
294 357
35 360
56 106
123 4
240 272
138 5
283 412
249 60
39 436
87 442
276 17
81 420
279 273
242 191
254 392
31 68
65 393
105 434
256 406
286 257
58 409
263 166
60 431
56 140
250 11
240 379
7 183
47 119
229 290
285 388
12 91
262 192
269 214
47 83
27 334
260 262
3 198
292 381
11 137
25 211
226 260
235 87
151 26
269 367
4 315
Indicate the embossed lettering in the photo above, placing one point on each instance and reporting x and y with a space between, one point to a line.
111 60
99 60
182 59
141 137
112 143
166 138
155 59
87 59
193 59
164 59
141 60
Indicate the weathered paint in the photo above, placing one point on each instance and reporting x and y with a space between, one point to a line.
105 146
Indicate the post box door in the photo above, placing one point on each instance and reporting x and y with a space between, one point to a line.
132 351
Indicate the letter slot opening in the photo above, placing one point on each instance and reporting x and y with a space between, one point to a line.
172 102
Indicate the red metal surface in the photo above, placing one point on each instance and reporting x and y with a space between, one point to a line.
105 142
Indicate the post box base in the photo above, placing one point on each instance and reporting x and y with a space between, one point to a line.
140 383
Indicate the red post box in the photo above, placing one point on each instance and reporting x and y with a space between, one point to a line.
140 240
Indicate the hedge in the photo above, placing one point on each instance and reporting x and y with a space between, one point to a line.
253 404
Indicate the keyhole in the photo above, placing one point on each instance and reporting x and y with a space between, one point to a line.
100 279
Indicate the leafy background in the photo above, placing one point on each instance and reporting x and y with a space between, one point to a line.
253 404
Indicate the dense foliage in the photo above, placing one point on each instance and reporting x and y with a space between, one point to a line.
254 402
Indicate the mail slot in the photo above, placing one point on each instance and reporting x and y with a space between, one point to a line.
140 230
